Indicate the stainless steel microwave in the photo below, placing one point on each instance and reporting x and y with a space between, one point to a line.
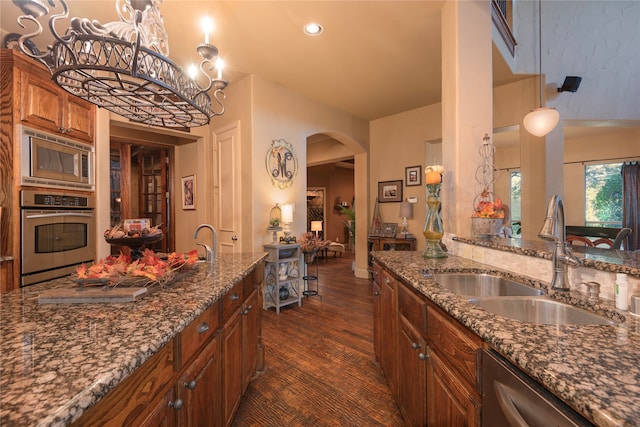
52 161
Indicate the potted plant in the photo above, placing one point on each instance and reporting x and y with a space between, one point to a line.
351 222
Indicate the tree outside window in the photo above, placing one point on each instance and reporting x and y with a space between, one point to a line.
515 181
603 195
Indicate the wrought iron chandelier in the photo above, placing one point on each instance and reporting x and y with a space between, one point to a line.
123 66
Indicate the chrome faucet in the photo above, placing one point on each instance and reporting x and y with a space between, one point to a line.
210 250
554 230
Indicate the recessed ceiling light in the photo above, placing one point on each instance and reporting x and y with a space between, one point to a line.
313 29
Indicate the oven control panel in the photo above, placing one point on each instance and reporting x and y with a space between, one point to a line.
31 198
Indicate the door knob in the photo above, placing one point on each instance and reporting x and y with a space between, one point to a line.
234 238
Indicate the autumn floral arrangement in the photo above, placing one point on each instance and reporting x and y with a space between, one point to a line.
310 243
149 270
487 207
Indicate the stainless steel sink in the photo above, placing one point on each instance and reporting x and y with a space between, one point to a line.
541 310
473 284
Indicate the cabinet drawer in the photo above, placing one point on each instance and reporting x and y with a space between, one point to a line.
456 344
413 308
377 273
199 332
253 279
232 300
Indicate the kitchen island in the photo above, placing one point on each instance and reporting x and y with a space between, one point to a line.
59 360
593 368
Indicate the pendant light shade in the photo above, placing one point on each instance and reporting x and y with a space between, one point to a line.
541 121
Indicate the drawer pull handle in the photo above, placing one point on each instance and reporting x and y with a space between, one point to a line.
422 356
415 345
386 280
176 404
249 307
204 327
376 294
235 297
191 385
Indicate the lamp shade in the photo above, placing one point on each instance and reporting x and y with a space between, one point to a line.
406 210
541 121
316 225
287 214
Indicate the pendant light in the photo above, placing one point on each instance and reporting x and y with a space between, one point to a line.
540 121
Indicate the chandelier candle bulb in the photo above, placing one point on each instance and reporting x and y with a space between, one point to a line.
207 27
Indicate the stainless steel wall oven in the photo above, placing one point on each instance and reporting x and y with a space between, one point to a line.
57 234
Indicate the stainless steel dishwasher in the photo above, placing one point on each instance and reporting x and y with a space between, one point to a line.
510 398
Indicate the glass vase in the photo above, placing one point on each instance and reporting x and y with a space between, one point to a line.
433 230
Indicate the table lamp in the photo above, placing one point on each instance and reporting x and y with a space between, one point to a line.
287 220
406 212
316 226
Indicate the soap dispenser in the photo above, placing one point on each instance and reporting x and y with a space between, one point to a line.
622 292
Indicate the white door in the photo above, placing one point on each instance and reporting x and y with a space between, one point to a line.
228 206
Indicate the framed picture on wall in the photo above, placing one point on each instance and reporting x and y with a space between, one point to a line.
189 192
390 191
412 176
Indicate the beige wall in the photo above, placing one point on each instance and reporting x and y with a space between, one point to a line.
339 184
397 142
268 111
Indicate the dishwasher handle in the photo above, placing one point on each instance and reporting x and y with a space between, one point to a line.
507 405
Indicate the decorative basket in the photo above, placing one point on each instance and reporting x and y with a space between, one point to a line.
486 227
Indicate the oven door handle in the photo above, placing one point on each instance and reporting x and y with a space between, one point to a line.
59 214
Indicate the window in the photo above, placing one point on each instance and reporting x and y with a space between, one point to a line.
603 195
515 186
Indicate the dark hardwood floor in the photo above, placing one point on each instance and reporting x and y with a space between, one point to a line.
320 368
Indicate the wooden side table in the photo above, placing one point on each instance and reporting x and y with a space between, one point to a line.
379 243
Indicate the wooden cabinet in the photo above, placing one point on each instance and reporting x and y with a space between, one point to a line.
250 333
199 389
283 276
160 412
389 332
232 371
453 374
412 356
450 403
241 342
412 390
377 312
136 398
199 377
44 105
431 361
29 97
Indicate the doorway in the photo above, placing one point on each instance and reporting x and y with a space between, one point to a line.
140 185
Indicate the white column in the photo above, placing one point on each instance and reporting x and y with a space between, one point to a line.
467 106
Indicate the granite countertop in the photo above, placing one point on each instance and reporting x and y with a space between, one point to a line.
593 368
57 360
611 260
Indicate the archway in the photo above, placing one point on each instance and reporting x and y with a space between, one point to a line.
330 148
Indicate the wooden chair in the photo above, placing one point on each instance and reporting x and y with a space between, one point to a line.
622 237
603 241
579 241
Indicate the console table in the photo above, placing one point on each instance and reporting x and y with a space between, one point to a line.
379 243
